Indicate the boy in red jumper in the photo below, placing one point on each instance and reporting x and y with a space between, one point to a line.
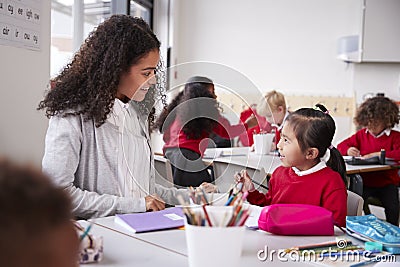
377 116
313 171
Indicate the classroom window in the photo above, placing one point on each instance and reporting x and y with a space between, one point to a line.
73 20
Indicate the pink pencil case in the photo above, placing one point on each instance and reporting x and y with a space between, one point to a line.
296 219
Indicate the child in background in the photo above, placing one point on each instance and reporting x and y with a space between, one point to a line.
313 171
377 116
270 113
35 227
187 123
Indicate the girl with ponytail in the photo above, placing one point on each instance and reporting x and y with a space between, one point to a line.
312 172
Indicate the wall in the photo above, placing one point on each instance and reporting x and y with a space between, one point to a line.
285 45
24 77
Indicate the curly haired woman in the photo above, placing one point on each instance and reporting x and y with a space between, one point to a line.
187 123
378 115
97 143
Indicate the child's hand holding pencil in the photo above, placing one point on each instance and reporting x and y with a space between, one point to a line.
244 178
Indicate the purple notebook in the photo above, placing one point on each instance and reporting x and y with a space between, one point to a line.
151 221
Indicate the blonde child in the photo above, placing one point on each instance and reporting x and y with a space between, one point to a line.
312 171
270 112
377 116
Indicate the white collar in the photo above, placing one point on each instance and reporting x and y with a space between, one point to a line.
119 106
386 131
117 115
316 168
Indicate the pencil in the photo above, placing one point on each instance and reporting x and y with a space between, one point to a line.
204 196
86 232
320 245
259 184
229 200
243 219
206 214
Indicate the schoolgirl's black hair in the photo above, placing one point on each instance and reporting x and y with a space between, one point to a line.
316 128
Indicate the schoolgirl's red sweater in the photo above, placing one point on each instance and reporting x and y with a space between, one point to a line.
174 137
367 143
324 188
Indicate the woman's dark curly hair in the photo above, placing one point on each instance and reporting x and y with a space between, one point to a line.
88 85
196 107
377 109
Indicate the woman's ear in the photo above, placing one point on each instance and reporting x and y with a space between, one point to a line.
312 153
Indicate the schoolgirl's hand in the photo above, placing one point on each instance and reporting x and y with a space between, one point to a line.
252 148
244 178
251 121
370 155
154 203
353 151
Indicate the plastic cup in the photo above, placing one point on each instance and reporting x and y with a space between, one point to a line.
214 246
263 143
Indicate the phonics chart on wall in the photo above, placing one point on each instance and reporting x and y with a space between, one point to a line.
20 23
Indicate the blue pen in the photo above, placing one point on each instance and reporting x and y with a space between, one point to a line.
229 200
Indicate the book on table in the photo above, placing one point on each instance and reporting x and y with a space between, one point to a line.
212 153
151 221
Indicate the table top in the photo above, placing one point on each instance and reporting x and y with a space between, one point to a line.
242 156
121 250
173 242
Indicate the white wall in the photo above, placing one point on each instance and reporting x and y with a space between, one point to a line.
24 77
286 45
371 78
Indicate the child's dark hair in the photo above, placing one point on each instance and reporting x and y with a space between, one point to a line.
31 207
316 128
88 85
377 109
195 106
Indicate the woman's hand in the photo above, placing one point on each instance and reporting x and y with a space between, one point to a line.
154 203
353 151
244 178
209 188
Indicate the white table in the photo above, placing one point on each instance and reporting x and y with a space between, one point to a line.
242 156
250 159
121 250
228 161
174 241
